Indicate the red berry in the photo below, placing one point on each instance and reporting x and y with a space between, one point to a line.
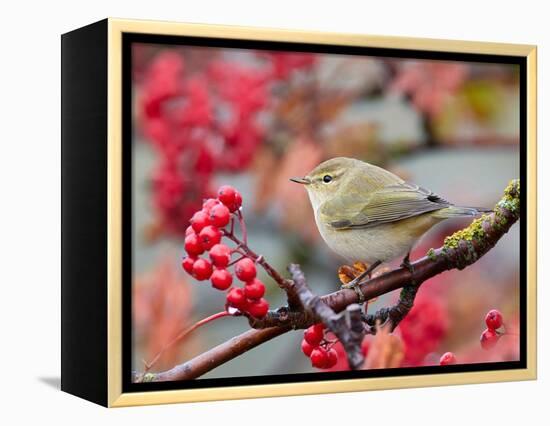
193 245
221 279
254 289
219 215
319 327
226 194
489 339
307 348
187 264
332 358
493 319
202 269
314 334
236 205
230 197
189 231
258 308
210 236
199 220
208 204
318 358
448 358
245 269
236 298
220 255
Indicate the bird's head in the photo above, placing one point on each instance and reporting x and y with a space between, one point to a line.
325 180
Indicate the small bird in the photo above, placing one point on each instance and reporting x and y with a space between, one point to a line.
367 214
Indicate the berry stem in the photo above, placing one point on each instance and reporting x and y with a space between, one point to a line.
232 225
271 271
243 226
237 260
184 333
238 248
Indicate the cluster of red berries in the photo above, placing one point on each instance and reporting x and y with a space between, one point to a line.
203 120
204 234
319 349
448 358
491 335
248 298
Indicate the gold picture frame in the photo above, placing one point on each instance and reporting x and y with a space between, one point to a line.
114 30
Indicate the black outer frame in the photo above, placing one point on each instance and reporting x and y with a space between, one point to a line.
84 212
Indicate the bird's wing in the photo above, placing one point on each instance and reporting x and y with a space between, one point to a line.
388 204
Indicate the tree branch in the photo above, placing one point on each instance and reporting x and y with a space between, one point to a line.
346 326
459 250
393 314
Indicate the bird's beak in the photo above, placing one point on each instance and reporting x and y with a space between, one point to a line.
303 181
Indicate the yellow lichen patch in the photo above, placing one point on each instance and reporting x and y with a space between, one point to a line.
473 232
511 200
512 190
473 237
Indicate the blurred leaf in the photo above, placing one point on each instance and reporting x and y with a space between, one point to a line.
357 141
347 273
162 304
275 189
385 351
483 97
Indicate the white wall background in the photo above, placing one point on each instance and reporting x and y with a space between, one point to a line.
30 201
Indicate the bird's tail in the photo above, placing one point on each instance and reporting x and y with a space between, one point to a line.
457 211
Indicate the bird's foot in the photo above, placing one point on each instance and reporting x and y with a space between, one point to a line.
357 288
359 276
406 263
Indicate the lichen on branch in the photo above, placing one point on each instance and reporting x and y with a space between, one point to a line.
466 246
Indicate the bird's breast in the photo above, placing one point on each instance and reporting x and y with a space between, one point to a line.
384 242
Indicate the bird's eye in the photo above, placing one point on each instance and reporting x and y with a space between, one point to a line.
327 178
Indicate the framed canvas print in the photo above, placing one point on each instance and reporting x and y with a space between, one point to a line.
252 212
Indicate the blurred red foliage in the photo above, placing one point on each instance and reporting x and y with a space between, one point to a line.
429 83
423 329
204 121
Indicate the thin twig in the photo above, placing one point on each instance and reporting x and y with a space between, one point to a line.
236 260
282 282
242 224
182 334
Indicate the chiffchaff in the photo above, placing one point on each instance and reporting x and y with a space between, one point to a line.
367 214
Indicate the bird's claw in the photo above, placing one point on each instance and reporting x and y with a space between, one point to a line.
406 263
351 284
355 285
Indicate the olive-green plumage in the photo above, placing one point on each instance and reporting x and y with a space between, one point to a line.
365 213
